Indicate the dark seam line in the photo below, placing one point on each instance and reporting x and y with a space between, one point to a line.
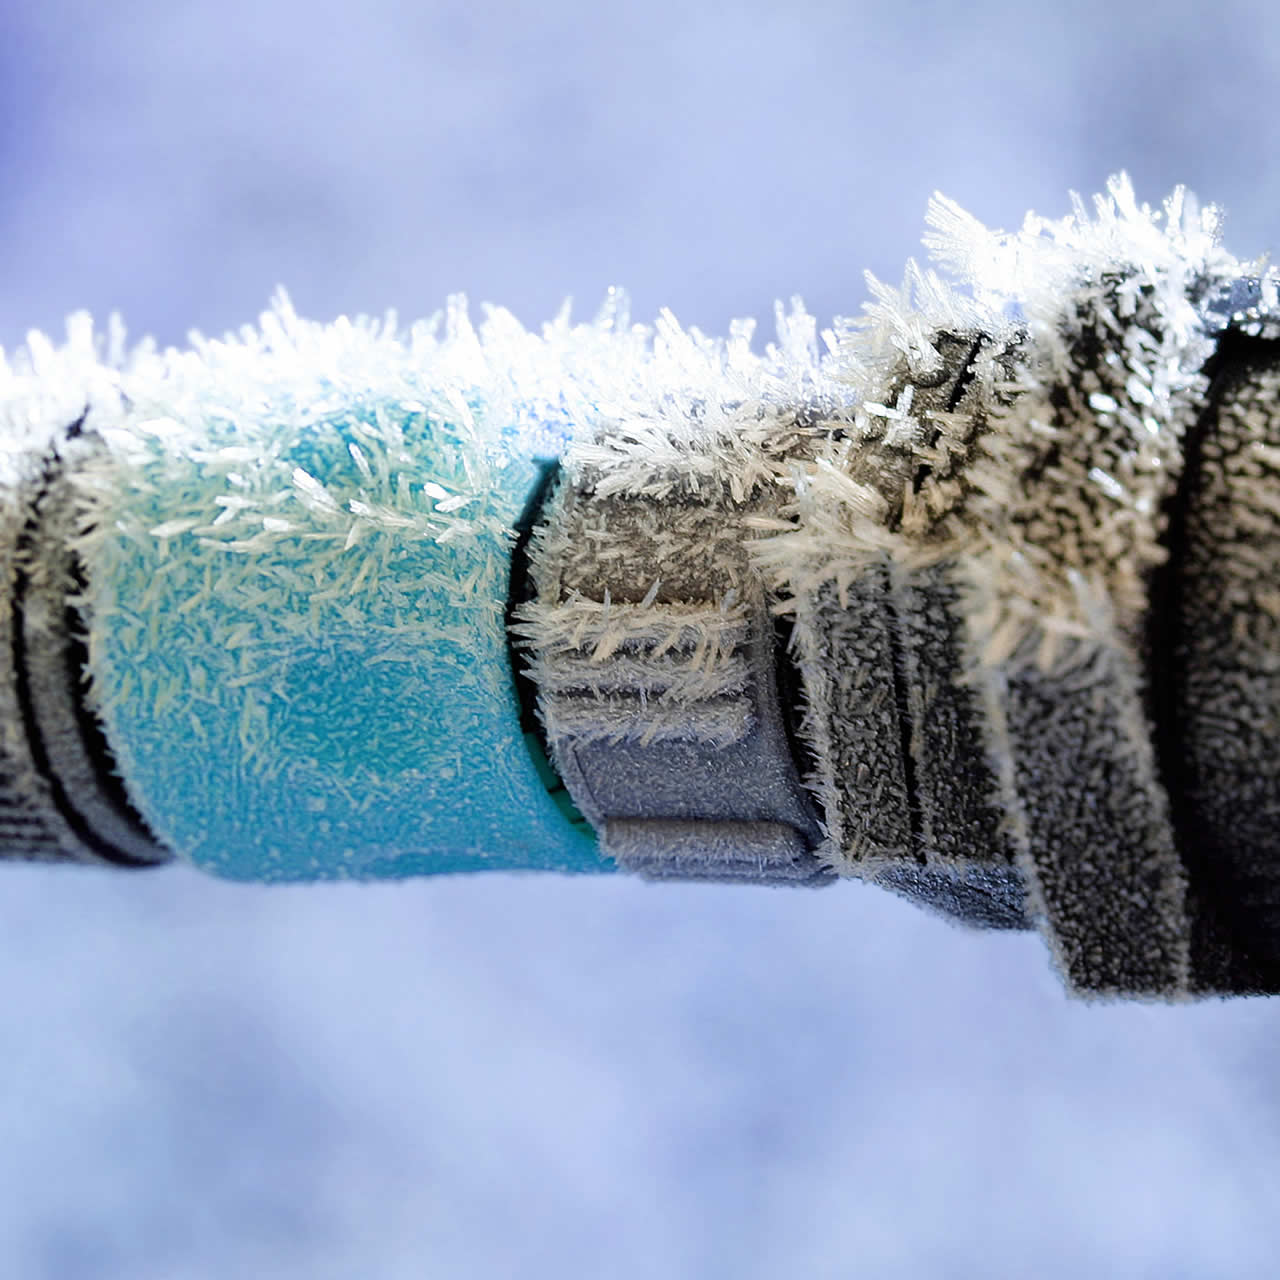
967 374
93 735
520 590
898 661
1164 636
1166 596
964 379
790 692
39 754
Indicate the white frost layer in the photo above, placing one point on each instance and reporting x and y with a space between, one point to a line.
1052 500
1046 481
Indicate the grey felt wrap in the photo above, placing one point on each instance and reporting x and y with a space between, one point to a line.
670 737
60 798
1129 810
1216 671
1146 790
899 735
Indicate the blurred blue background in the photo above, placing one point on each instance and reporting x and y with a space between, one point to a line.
536 1077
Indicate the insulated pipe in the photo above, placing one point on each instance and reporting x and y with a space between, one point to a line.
979 606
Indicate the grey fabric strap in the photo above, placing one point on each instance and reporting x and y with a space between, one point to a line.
1128 808
655 663
730 851
1106 873
1147 787
1216 660
911 797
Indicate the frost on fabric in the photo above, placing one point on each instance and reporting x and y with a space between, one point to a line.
1042 473
640 556
269 484
255 511
305 515
44 388
1081 342
1016 409
700 416
281 471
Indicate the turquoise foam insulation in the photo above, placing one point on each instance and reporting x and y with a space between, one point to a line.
296 603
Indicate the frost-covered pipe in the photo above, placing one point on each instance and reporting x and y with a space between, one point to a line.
975 597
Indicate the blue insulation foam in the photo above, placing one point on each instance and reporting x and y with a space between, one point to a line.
297 637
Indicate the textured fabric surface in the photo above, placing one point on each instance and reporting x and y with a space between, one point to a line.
61 799
912 800
1124 802
1035 443
45 392
1022 526
68 746
297 551
1216 658
731 852
654 653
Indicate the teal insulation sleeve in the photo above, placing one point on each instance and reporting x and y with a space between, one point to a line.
296 557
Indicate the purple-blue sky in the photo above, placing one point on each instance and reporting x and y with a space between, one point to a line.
541 1077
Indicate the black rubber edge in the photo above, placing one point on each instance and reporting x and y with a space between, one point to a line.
93 737
520 590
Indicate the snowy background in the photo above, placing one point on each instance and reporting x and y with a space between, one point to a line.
506 1077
